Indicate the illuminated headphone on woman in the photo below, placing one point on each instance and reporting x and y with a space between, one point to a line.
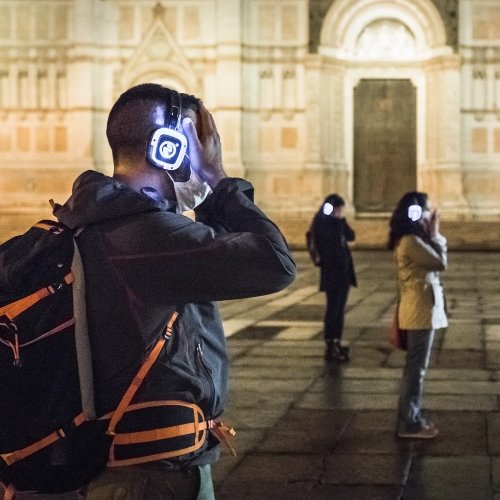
168 147
414 212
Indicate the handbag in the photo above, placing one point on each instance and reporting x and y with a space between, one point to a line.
397 336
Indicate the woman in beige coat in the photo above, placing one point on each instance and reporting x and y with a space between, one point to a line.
420 254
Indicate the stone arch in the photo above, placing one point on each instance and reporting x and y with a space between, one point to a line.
158 59
164 74
434 70
346 19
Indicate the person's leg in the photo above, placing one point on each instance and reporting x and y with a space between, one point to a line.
339 312
329 318
206 484
417 361
334 323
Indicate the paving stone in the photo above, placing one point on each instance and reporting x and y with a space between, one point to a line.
494 433
223 468
360 372
245 441
307 431
461 387
314 430
300 312
366 469
461 375
467 359
245 419
285 372
368 357
492 359
495 474
372 432
460 433
257 332
457 478
371 440
273 385
327 400
276 468
299 419
299 332
460 336
288 349
277 362
463 402
372 386
258 399
354 492
396 359
267 491
233 326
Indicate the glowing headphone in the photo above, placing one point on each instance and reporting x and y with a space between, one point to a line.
327 208
167 147
414 212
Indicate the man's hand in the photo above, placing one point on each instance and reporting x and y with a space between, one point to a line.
204 148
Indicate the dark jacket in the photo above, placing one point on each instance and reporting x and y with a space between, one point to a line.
331 236
142 261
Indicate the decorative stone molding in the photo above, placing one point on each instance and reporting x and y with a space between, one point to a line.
448 10
158 57
346 20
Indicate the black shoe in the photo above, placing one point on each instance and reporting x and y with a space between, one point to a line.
336 352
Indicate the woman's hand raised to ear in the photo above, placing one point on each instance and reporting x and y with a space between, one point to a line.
433 224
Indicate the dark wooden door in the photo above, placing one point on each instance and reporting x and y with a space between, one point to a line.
385 153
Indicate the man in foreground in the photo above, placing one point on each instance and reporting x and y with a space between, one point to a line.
143 260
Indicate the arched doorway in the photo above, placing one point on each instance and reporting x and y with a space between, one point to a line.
385 69
384 143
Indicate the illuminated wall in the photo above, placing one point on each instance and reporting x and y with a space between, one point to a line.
280 78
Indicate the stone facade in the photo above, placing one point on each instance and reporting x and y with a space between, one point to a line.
280 78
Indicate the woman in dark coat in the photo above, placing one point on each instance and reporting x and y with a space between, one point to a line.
331 233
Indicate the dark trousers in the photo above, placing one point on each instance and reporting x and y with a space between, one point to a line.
417 361
334 315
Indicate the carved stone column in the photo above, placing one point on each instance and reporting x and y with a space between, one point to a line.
228 75
441 175
336 176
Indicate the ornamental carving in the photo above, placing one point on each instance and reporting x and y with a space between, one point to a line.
318 9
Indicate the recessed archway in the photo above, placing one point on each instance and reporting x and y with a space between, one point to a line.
374 40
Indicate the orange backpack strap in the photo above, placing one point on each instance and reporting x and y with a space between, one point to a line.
141 374
9 492
223 433
196 424
14 309
15 456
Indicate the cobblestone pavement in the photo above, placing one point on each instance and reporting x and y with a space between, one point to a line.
311 430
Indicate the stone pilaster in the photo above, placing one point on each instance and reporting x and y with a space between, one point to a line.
440 173
228 31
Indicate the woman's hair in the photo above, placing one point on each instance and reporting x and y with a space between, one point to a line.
401 224
334 200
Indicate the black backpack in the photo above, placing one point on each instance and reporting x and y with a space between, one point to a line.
311 245
49 439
